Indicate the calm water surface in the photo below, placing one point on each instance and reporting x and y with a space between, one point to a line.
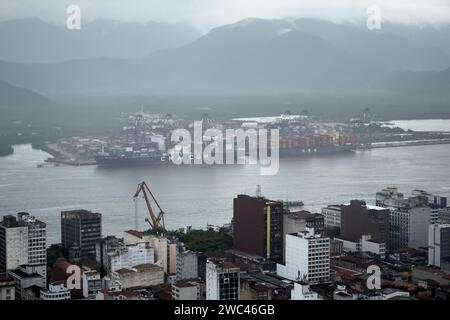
423 125
200 195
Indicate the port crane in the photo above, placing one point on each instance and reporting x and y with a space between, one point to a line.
156 221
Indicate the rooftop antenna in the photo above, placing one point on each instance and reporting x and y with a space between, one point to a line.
258 190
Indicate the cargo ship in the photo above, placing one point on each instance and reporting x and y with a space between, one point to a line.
317 144
131 155
298 137
129 160
289 146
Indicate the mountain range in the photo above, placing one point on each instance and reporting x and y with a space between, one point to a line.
35 41
250 56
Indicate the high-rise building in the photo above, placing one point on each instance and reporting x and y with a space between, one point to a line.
13 243
387 193
332 216
409 221
103 250
358 219
80 230
160 245
444 216
258 226
133 255
23 242
187 263
37 243
294 222
113 254
222 280
436 203
307 257
438 244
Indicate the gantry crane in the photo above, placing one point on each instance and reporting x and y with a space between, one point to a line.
156 222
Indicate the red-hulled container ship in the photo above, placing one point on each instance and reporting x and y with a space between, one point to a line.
304 144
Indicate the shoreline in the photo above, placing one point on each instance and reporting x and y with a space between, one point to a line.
412 143
58 158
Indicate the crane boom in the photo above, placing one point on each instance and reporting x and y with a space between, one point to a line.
156 221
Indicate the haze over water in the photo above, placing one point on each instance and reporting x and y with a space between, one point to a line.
201 195
442 125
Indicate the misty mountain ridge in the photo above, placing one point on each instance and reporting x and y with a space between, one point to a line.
35 41
16 96
252 55
19 103
416 83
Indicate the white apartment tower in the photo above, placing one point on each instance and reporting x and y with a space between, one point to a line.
409 221
113 254
37 243
307 257
158 243
129 256
13 243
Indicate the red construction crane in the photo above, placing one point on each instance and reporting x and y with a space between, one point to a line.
156 221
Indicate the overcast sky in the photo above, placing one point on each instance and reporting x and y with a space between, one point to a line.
205 14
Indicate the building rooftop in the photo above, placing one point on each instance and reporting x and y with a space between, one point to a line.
307 234
135 233
80 214
435 271
301 215
185 284
146 266
22 274
62 264
221 263
271 279
229 265
124 293
123 271
9 221
371 207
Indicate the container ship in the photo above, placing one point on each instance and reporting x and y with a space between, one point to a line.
131 155
298 145
289 146
298 137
